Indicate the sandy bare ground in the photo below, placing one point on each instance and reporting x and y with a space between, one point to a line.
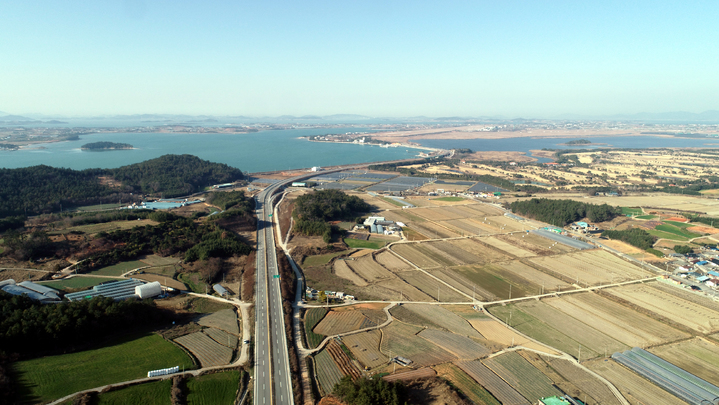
473 132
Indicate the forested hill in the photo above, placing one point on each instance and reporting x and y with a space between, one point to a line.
42 189
563 212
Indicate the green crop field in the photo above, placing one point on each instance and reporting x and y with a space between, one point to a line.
76 282
676 231
449 199
632 211
313 316
48 378
667 235
152 393
366 244
214 389
194 281
118 269
320 260
647 217
682 225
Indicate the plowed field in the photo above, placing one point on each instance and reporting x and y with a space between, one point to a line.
424 372
393 263
340 322
493 383
402 340
508 247
444 318
365 347
225 319
466 384
343 361
500 333
462 347
433 288
222 337
522 376
327 371
342 270
412 253
591 267
585 382
206 350
537 277
367 268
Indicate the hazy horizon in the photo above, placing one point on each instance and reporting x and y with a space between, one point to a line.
539 60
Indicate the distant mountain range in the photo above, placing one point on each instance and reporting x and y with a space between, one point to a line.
709 115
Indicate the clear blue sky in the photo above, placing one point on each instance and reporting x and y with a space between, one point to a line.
379 58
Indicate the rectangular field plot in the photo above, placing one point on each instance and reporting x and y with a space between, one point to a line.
616 320
498 283
452 249
591 267
402 340
444 318
367 268
584 382
327 372
437 214
433 288
412 253
679 310
547 282
534 243
551 327
500 333
522 375
341 269
507 247
434 230
155 260
206 350
461 346
365 347
637 390
461 283
340 322
485 253
493 383
687 295
697 356
466 384
395 289
484 210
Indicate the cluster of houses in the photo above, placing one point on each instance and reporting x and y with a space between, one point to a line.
312 294
583 227
700 267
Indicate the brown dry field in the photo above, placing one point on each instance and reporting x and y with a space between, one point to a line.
500 333
432 287
622 246
697 356
528 272
21 275
501 156
365 347
676 309
508 247
535 243
402 340
636 389
393 263
340 322
367 268
473 132
576 381
592 267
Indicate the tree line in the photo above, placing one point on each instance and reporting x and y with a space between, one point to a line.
636 237
563 212
44 189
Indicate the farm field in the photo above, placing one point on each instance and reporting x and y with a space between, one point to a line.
312 317
411 253
402 340
461 346
341 269
508 247
151 393
697 356
453 248
498 332
498 283
21 275
207 351
463 284
224 319
213 389
319 260
118 269
156 261
391 262
597 393
365 348
434 230
368 269
534 243
107 226
686 295
545 281
167 271
327 372
222 337
477 247
424 372
347 319
616 320
394 289
679 310
636 389
47 378
493 383
522 376
444 318
591 267
363 244
433 288
342 360
77 282
464 383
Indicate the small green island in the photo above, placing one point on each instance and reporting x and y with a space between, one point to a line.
579 142
95 146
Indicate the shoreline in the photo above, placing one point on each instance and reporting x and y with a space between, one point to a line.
401 145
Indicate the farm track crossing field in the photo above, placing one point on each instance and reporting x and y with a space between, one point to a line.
464 383
365 347
583 380
458 281
328 373
394 289
222 337
493 383
444 318
622 323
500 333
679 310
367 268
461 346
522 376
213 389
225 319
312 317
344 271
151 393
403 341
206 350
391 262
591 267
536 277
432 287
47 378
637 390
697 356
542 332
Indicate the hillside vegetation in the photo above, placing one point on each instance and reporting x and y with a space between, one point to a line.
313 210
45 189
563 212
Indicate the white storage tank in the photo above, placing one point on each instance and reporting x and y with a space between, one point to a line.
148 290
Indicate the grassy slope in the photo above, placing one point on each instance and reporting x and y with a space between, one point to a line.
118 269
52 377
153 393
